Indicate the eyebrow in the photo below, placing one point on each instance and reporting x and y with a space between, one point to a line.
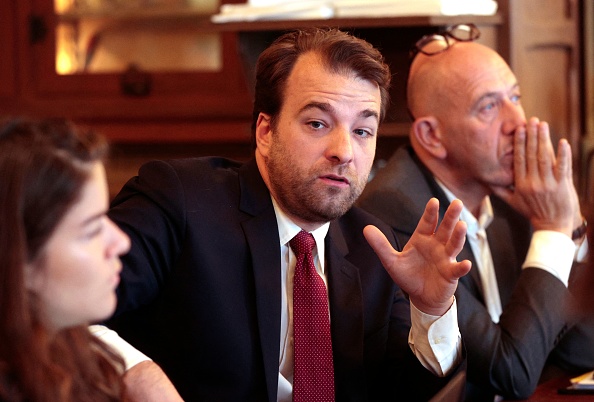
327 108
92 218
494 94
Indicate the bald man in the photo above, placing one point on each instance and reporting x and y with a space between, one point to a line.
470 140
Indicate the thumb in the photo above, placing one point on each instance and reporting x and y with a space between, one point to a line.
380 244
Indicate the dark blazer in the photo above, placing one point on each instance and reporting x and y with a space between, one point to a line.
505 358
201 289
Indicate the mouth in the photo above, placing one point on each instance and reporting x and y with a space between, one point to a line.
509 154
336 180
116 276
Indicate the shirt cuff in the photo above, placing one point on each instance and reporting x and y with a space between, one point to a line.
581 254
553 252
436 340
129 353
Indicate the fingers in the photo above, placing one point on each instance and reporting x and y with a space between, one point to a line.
379 243
456 241
428 221
564 168
534 156
449 222
543 188
531 148
520 153
461 268
546 154
452 231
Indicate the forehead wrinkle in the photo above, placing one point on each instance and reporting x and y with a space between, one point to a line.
492 94
328 108
492 86
323 106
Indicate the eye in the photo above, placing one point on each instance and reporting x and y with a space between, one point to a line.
516 99
488 107
94 229
316 125
363 133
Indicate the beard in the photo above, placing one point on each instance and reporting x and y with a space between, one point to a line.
300 193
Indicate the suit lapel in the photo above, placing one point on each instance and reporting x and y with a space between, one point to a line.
507 266
346 306
261 233
472 280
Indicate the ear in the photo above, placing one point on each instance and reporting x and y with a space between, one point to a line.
427 133
263 134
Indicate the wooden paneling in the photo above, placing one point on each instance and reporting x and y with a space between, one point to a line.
7 52
545 56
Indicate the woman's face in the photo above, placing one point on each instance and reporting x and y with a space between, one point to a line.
77 271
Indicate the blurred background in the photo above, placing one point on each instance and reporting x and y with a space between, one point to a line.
173 78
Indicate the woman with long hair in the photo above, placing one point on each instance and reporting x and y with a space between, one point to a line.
59 265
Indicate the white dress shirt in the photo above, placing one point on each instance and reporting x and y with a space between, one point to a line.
476 234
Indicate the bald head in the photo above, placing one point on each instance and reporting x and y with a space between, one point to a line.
466 104
438 83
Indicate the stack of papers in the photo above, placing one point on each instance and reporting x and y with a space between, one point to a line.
390 8
584 382
256 10
282 10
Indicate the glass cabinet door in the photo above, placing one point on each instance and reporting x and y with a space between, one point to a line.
110 36
133 58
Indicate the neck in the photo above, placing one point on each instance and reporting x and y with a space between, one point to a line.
469 192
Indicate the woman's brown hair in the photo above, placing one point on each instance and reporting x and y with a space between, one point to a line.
44 165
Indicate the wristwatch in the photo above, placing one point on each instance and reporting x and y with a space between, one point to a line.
580 231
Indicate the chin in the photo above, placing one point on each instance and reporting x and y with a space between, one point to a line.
107 310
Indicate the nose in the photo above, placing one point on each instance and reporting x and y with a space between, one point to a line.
513 116
340 147
118 241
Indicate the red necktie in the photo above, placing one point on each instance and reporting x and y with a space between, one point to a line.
313 379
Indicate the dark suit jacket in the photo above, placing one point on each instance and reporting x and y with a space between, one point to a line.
507 358
201 289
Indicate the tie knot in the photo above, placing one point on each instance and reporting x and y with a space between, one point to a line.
302 243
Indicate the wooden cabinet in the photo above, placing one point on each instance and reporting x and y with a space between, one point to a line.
163 106
216 104
541 41
185 105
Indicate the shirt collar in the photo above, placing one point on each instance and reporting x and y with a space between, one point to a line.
287 229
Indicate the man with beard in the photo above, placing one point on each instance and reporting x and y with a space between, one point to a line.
470 140
207 290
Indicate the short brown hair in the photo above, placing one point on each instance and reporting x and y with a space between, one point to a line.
340 51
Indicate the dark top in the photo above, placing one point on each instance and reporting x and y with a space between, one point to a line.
505 358
201 289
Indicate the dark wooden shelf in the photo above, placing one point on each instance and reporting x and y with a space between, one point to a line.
385 22
202 21
155 13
